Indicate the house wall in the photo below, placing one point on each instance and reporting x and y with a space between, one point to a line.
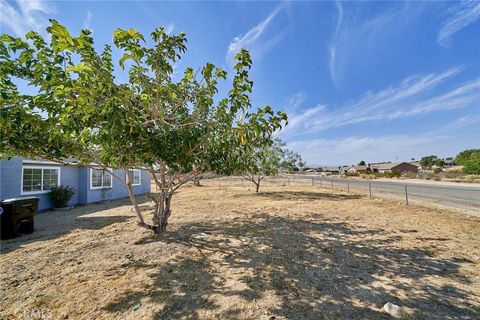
10 175
74 176
406 167
82 181
11 181
118 190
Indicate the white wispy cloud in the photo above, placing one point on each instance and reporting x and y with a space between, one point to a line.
169 28
25 15
295 101
357 35
87 23
250 39
332 49
415 95
462 14
447 141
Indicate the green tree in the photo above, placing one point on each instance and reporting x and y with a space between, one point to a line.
291 160
362 163
175 129
265 158
439 162
466 155
472 166
428 161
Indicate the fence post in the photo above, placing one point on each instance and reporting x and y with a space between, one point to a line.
288 182
219 182
348 186
312 181
331 180
370 189
406 195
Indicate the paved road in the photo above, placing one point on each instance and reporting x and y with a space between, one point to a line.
463 198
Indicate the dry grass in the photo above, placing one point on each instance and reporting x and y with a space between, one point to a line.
296 253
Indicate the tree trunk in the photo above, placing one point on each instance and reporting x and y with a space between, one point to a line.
162 212
133 199
257 185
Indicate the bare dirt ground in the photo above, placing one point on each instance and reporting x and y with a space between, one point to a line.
285 253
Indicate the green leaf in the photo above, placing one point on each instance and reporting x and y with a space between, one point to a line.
78 68
61 32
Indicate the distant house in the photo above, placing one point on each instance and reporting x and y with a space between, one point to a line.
416 163
332 170
21 177
357 169
389 166
449 161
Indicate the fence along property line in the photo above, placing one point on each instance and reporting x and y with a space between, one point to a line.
465 199
460 198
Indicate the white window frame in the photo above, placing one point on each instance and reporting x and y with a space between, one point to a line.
101 187
127 177
41 183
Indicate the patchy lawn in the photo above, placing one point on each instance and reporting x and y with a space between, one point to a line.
286 253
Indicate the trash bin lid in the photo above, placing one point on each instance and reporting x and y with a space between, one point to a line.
12 200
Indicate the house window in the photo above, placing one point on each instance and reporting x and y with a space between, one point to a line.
136 175
39 180
100 179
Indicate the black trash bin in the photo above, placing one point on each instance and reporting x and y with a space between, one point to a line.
17 216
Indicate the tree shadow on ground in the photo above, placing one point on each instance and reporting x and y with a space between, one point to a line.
52 224
304 195
317 268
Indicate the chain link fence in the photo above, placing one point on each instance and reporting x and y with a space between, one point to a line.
464 199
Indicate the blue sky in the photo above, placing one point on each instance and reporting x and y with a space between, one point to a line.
369 81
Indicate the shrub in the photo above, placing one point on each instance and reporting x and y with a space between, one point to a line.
455 171
437 170
437 179
410 174
472 166
463 157
392 174
453 174
472 178
61 195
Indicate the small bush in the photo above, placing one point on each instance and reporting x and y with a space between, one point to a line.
411 175
437 179
429 176
61 195
392 174
455 171
437 170
472 166
472 178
